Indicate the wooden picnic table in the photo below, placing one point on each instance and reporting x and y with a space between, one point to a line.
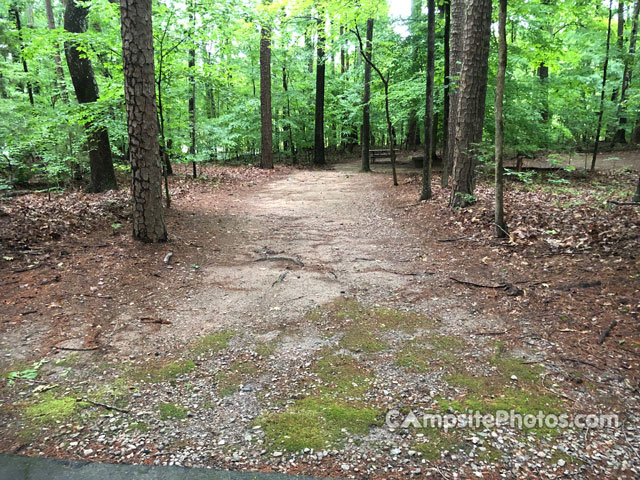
384 153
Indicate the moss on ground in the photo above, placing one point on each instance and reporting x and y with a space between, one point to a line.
317 422
239 372
435 441
213 343
138 427
156 372
344 374
171 411
431 351
358 340
51 409
515 386
346 310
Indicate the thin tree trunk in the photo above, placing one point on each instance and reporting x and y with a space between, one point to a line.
285 87
500 225
636 197
103 176
458 15
25 68
429 141
602 93
51 23
471 101
266 120
318 138
142 120
444 179
629 61
366 98
192 85
413 133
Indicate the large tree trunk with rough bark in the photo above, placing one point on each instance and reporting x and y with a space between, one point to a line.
266 150
318 147
500 225
366 99
444 179
629 61
83 78
471 100
456 40
429 140
142 120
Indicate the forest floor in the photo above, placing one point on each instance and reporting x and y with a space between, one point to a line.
300 307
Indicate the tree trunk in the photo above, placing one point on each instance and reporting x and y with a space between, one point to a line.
318 138
636 197
192 85
266 121
25 68
458 10
471 101
429 141
51 23
142 120
620 136
500 225
83 78
413 133
285 87
366 99
602 92
444 179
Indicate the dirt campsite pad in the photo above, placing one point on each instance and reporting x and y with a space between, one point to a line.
303 314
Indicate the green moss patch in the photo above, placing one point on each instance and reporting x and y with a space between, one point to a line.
359 340
345 375
52 409
170 411
317 422
213 343
435 441
429 352
156 373
502 392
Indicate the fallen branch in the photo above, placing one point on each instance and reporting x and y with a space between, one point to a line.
480 334
446 240
571 286
280 259
103 405
583 362
80 349
613 202
605 333
167 258
510 289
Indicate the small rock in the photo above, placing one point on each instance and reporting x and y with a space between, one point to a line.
277 454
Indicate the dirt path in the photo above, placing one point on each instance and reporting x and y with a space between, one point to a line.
318 306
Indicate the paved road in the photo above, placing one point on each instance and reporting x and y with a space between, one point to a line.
18 467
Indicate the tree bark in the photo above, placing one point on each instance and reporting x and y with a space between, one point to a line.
84 83
192 85
366 99
636 197
142 120
51 24
456 44
444 179
621 134
413 133
602 92
318 138
25 68
500 225
471 101
266 120
429 140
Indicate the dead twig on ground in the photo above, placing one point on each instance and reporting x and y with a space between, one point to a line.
103 405
577 360
280 279
510 289
280 259
167 258
77 349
